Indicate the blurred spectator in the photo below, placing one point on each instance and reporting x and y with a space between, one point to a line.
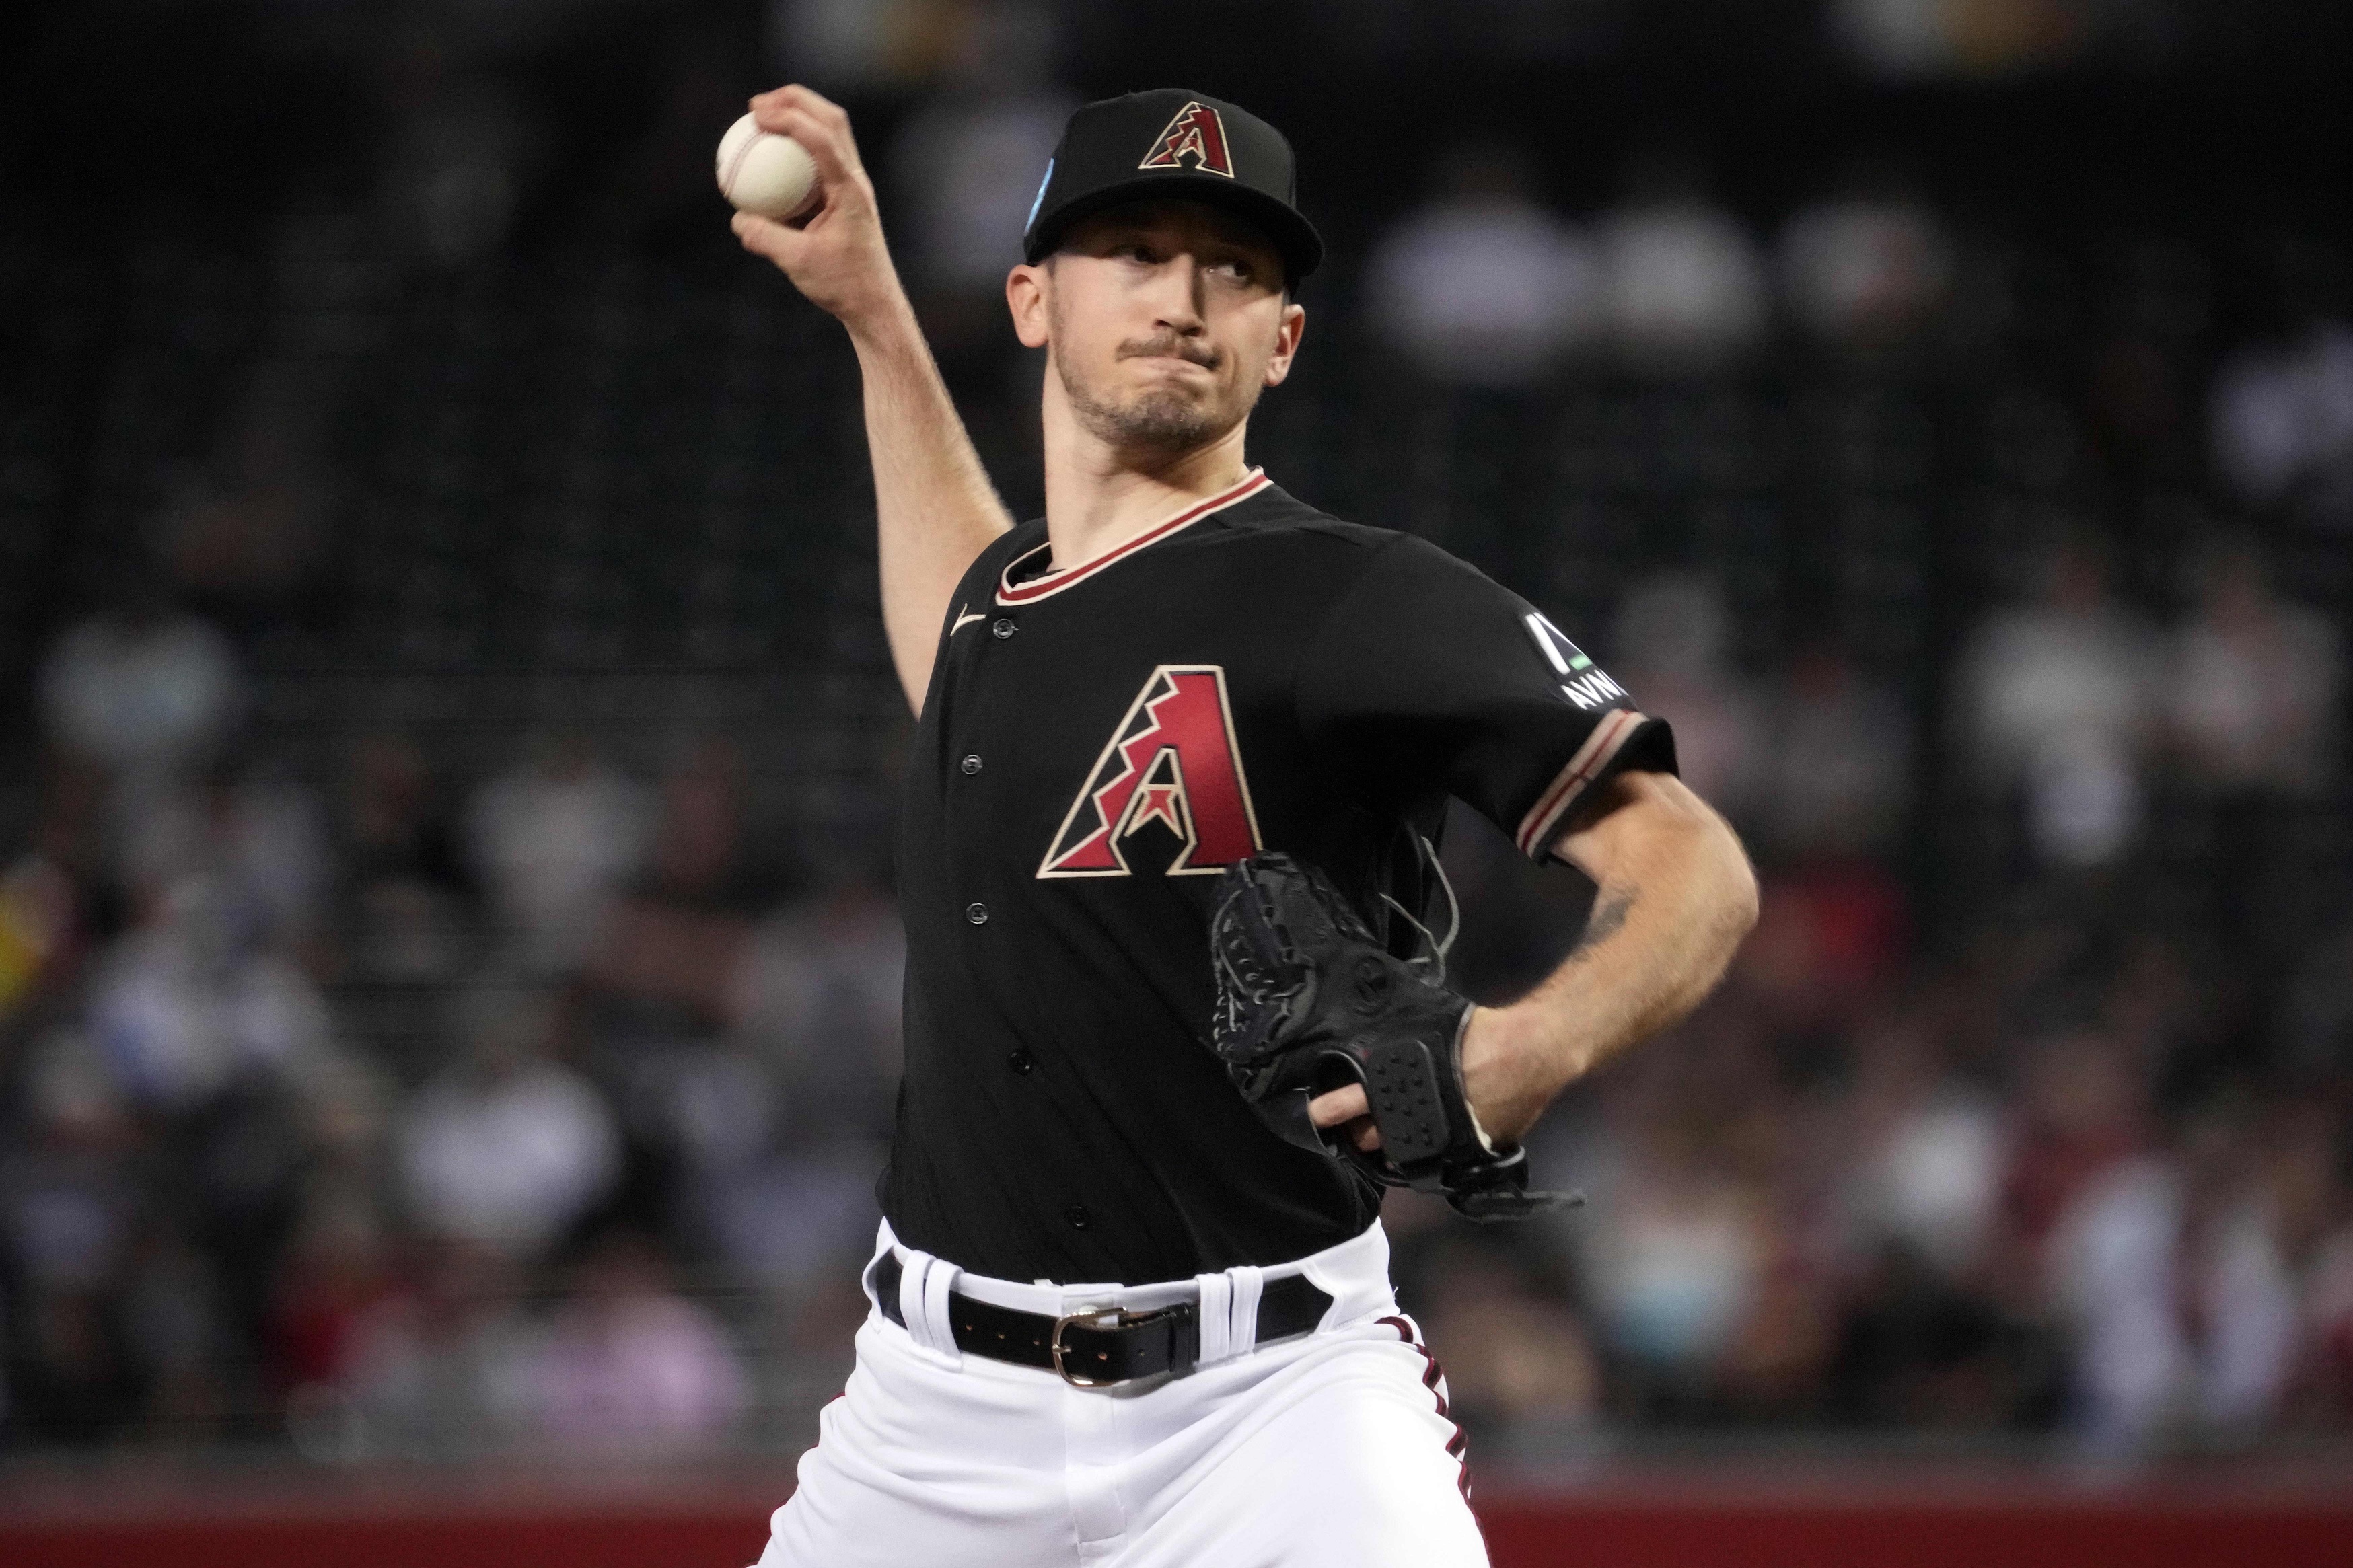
1921 1200
69 1206
1930 1180
41 912
681 934
788 1174
507 1148
630 1367
1868 265
441 1370
143 691
2117 1274
1482 286
2104 1208
2254 684
820 993
554 841
1683 283
1675 1253
1670 645
336 1270
188 1005
1519 1366
1835 774
2057 696
2283 421
2239 1292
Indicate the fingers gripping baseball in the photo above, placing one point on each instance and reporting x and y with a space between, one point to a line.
836 256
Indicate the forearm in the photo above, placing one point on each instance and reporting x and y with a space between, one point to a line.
1675 896
934 507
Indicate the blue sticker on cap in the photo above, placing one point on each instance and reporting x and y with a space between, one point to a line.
1030 222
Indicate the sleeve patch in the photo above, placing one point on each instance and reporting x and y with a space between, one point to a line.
1582 681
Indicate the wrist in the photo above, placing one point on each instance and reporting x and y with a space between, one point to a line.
1496 1078
883 324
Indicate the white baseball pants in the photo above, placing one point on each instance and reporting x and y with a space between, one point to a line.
1330 1449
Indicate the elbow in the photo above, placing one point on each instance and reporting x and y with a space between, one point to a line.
1741 906
1743 901
1737 899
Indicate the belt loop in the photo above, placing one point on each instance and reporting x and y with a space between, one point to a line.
1214 1316
1227 1315
923 1284
937 1281
1241 1322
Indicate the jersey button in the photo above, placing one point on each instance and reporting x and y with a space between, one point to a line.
976 913
1077 1217
1003 627
1021 1061
971 764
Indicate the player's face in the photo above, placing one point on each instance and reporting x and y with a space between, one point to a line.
1164 320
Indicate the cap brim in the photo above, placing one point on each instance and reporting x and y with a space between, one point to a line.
1293 236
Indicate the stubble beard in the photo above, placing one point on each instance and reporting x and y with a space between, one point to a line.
1159 421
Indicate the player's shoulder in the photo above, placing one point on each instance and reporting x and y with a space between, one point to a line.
1356 558
1272 515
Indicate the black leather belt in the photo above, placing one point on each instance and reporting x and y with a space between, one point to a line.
1095 1349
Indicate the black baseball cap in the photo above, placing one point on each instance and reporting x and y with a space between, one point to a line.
1175 143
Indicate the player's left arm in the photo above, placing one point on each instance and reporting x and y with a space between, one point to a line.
1674 896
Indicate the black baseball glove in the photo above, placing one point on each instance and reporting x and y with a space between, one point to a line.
1309 1000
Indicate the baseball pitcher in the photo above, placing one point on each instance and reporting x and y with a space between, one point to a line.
1177 1010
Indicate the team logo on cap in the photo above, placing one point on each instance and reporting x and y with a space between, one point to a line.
1197 132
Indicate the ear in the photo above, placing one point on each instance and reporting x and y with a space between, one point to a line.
1286 343
1025 296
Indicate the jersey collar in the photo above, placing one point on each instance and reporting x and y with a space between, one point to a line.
1008 593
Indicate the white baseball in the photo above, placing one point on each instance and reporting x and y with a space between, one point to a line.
766 173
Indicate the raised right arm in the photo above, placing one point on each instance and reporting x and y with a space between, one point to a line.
934 507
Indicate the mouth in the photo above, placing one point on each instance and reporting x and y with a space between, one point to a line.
1170 352
1172 361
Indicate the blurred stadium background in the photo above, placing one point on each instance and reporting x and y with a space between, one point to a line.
447 971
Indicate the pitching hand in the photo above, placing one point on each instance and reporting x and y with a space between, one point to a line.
836 256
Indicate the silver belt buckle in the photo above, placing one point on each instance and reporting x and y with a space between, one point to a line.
1096 1318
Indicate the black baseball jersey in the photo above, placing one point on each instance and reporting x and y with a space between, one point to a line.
1096 745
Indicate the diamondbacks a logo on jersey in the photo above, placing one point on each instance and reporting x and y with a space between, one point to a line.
1584 682
1173 761
1196 133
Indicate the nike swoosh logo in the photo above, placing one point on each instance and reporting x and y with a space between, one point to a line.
964 620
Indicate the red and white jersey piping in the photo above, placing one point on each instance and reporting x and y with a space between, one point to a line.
1009 592
1542 820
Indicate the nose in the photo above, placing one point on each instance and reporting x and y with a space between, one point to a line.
1177 290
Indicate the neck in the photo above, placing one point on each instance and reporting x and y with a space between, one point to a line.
1099 496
